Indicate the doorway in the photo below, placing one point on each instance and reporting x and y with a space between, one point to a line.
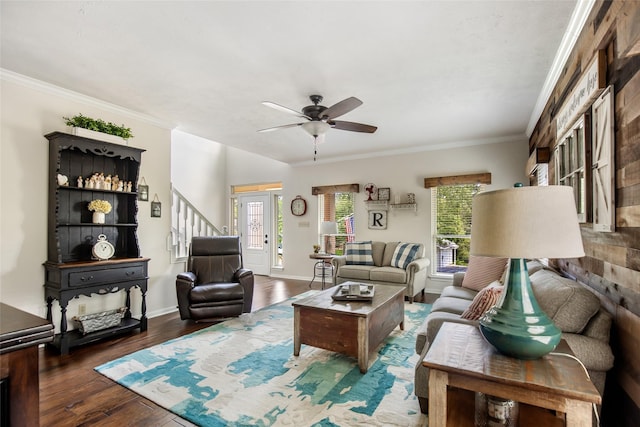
254 216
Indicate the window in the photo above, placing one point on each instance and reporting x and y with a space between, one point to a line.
338 207
570 165
451 226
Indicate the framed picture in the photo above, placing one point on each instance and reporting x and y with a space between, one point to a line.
377 220
384 194
143 193
156 209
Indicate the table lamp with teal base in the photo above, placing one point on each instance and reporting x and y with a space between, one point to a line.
523 223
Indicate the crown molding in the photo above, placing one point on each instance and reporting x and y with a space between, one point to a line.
41 86
410 150
576 23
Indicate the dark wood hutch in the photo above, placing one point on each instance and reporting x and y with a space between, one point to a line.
71 270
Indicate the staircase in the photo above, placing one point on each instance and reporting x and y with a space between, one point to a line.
187 222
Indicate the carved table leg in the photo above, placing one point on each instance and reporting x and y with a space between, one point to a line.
143 317
127 314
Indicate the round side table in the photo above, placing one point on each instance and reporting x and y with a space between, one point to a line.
324 262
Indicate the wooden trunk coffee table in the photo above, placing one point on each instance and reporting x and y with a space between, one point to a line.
348 327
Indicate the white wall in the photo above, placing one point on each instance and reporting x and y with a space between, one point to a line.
402 173
198 171
29 111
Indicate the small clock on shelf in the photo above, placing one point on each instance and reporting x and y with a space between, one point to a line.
298 206
103 250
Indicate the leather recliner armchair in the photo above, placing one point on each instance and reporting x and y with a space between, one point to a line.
216 284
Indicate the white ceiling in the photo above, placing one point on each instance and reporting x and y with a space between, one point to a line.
430 73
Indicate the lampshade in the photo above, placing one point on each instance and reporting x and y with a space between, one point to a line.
520 223
316 128
526 222
328 227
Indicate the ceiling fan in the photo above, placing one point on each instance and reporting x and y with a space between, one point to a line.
320 118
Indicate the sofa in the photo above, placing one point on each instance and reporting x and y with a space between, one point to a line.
585 325
384 264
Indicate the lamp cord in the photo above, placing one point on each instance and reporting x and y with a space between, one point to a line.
593 405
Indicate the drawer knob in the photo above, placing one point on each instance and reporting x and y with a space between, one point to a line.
84 278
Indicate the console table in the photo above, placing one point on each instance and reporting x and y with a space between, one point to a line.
67 281
20 335
461 360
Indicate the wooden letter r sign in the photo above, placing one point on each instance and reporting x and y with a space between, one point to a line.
378 220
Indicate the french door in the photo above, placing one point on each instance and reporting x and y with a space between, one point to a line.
255 232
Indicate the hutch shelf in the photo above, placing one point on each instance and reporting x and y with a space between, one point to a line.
70 269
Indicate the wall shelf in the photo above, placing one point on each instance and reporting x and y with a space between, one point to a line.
377 205
404 207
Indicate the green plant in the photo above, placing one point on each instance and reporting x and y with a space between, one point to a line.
98 125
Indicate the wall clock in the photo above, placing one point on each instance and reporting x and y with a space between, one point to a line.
103 250
298 206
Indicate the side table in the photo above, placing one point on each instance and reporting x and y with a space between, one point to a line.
20 335
324 262
460 358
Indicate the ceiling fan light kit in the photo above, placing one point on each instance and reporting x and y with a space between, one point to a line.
320 118
316 129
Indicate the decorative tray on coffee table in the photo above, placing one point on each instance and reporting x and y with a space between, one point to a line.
354 292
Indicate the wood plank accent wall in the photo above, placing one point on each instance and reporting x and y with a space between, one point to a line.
611 267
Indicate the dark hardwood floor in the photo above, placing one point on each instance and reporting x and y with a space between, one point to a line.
73 394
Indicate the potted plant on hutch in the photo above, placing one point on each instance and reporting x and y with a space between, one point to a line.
98 129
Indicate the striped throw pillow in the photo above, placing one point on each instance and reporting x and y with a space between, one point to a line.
404 254
482 271
483 301
359 253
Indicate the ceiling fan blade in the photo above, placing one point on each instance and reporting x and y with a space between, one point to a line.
342 107
281 127
285 109
354 127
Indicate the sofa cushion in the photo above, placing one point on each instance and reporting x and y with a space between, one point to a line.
389 249
450 305
593 353
378 249
459 292
404 254
566 302
483 301
534 266
359 253
355 272
599 327
482 271
388 274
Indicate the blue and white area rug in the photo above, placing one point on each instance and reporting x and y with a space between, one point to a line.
242 372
